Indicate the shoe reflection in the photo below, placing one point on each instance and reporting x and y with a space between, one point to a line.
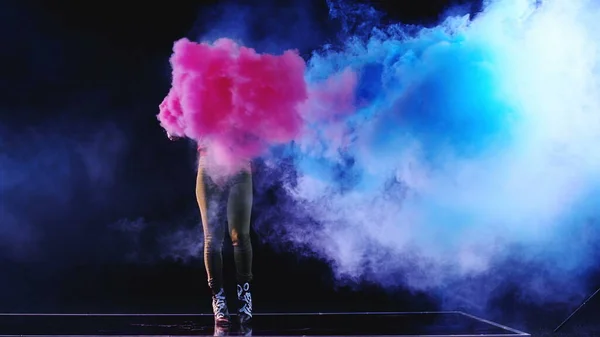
221 330
245 330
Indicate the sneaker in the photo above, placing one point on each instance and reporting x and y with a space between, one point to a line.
245 302
220 310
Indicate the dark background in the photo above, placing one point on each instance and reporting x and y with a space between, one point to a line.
92 192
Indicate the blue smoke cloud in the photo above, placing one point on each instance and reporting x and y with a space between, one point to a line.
471 162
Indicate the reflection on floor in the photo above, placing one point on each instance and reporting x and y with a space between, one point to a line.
292 324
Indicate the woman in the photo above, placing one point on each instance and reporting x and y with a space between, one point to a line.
234 196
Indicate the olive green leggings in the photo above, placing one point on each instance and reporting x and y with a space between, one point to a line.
236 195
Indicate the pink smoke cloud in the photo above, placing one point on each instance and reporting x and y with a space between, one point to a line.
232 98
238 102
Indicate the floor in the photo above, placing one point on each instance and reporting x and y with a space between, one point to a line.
304 324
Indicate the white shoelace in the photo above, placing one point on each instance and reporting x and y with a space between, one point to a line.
245 297
219 305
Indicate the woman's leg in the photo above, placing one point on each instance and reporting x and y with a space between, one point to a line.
239 209
208 195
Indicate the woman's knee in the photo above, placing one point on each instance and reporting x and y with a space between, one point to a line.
213 242
240 238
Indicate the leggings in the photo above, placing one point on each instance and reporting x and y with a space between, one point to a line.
236 195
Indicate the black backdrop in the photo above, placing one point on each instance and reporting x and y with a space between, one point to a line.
83 236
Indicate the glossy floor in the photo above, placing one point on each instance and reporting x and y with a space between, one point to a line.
309 324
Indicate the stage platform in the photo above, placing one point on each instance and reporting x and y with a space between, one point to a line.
277 324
